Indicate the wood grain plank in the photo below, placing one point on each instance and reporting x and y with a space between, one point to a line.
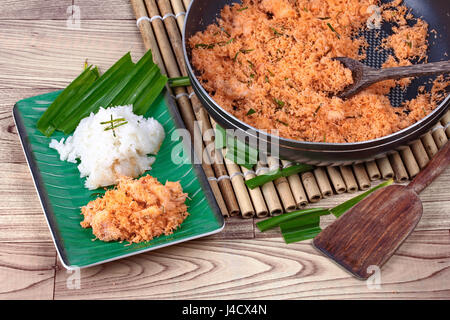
35 9
24 228
27 270
47 54
21 215
263 269
105 9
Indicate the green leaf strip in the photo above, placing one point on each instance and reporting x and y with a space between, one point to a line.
123 84
179 82
304 221
100 94
277 220
343 207
62 103
275 174
300 229
241 153
220 137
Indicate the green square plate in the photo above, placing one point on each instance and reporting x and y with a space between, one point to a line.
62 192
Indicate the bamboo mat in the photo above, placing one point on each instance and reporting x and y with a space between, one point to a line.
160 23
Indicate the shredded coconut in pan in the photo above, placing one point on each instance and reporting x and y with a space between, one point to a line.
269 63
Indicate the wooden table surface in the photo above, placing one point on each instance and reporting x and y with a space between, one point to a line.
39 53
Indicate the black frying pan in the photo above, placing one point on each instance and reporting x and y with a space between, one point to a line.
202 13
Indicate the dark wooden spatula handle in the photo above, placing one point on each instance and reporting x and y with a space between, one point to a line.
364 76
375 75
434 168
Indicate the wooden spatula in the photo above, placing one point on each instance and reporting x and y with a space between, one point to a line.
370 232
364 76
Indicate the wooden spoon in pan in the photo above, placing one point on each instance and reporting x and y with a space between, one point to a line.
364 76
370 232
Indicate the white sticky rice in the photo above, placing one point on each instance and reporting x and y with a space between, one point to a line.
105 157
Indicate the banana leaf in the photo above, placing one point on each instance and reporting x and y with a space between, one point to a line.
278 173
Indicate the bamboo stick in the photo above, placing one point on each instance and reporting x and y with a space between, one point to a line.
439 135
298 191
216 190
256 195
174 33
446 123
419 153
349 179
323 182
186 3
361 176
225 186
240 189
372 170
186 108
397 165
177 45
283 188
164 57
385 168
296 187
311 187
150 43
147 33
162 41
178 8
270 194
336 180
429 144
408 160
284 191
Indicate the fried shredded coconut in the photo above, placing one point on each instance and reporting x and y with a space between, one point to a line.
136 210
269 63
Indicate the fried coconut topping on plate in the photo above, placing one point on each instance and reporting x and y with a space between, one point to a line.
136 210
